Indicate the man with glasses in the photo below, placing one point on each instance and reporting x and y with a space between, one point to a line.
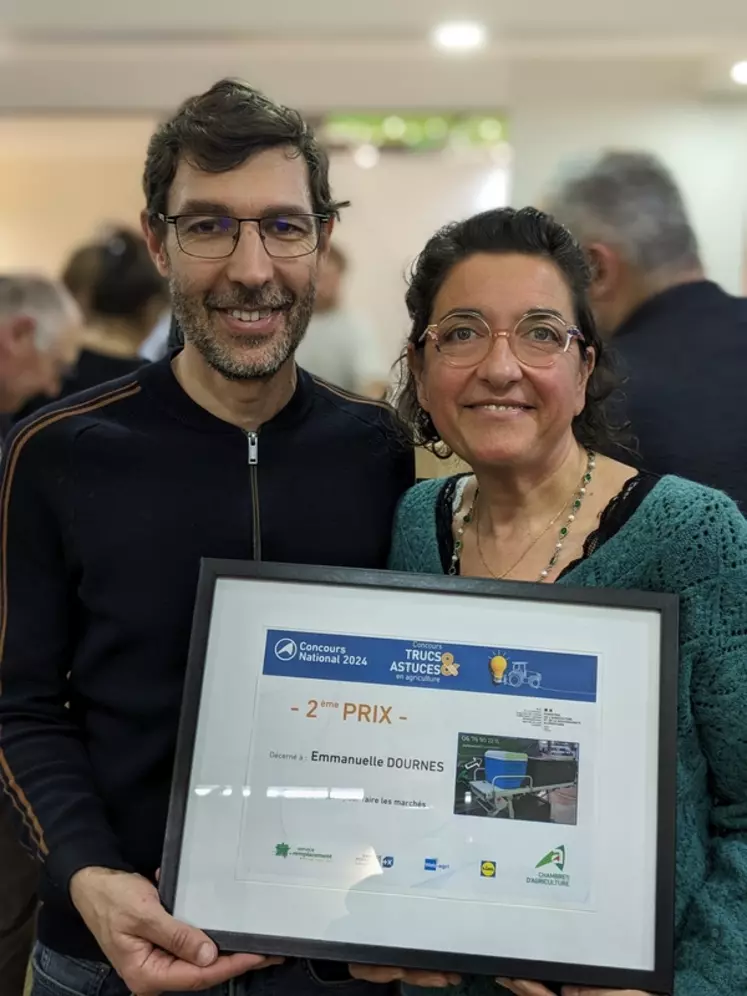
224 450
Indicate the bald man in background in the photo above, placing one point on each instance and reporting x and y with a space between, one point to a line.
679 336
39 341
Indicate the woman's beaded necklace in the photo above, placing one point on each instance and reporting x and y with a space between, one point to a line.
576 501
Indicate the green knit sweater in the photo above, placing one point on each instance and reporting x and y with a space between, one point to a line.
691 541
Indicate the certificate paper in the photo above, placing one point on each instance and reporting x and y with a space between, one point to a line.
401 771
351 718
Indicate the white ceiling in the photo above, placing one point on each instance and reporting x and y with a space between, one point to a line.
382 19
146 55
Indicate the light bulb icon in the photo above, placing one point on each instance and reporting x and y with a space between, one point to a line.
498 665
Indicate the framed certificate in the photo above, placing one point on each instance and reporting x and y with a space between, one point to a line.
432 772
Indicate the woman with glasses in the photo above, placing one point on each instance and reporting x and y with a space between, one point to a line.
506 369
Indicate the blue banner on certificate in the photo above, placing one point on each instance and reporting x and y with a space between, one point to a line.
456 667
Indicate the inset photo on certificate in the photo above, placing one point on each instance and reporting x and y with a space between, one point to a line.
512 778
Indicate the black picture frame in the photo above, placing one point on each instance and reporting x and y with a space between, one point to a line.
658 980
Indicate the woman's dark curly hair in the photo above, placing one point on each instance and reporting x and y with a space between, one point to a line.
505 230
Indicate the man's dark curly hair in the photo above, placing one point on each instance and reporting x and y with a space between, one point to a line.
219 130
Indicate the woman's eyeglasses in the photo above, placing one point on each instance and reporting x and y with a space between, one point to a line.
465 339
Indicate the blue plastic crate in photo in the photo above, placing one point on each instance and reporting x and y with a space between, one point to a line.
505 769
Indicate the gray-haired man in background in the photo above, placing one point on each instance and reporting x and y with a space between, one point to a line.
38 343
39 331
682 340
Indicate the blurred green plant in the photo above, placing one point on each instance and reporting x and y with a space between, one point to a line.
414 131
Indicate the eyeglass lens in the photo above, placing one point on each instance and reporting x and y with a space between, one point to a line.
213 237
536 340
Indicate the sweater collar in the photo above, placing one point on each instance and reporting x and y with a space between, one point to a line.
158 380
683 297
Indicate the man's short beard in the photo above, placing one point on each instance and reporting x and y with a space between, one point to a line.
194 320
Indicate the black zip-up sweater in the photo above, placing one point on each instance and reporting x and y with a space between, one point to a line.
109 500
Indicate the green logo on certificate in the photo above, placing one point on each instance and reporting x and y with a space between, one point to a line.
306 853
555 857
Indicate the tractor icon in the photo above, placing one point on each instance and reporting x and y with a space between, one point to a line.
518 675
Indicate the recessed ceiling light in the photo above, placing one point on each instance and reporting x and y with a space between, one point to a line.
459 36
366 156
739 73
493 192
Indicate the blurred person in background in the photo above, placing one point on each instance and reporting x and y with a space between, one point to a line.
85 266
156 345
339 346
680 337
78 275
39 323
19 873
39 341
123 298
225 450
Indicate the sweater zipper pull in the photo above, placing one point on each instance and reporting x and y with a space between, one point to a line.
253 440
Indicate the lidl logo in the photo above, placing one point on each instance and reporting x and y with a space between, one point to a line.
487 869
556 858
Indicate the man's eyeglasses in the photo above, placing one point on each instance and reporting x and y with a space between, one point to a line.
212 236
465 339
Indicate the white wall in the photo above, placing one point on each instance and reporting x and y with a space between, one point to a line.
396 206
703 142
60 178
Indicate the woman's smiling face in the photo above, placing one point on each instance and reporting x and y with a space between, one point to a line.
501 411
